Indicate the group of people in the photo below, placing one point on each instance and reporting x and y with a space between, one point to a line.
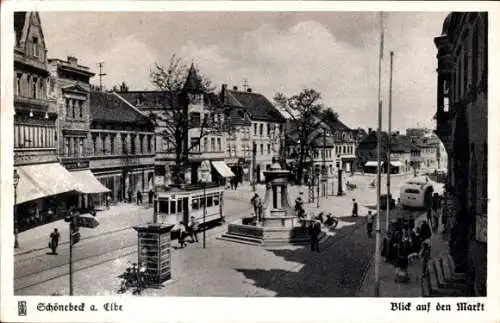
404 242
189 230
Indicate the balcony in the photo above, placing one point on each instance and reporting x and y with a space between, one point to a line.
31 103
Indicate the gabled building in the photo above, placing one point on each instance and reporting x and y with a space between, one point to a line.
43 183
260 131
122 149
204 126
462 125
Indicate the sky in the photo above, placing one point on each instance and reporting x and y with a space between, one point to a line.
336 53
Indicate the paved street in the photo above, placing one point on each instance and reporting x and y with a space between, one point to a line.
224 268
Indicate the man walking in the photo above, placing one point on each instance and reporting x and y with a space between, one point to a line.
354 208
369 224
314 231
257 206
139 197
54 241
193 229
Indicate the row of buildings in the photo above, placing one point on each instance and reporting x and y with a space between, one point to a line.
418 151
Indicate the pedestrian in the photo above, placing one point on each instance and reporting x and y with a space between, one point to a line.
257 206
139 197
108 201
386 245
425 231
193 229
314 231
182 235
299 205
354 208
369 224
236 181
150 196
130 195
411 222
425 255
54 241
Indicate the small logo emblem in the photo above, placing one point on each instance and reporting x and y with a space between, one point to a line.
21 308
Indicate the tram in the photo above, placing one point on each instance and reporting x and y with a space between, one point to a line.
175 204
416 193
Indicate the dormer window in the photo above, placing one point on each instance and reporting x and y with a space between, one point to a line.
138 101
36 51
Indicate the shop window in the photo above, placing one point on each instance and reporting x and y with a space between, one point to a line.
209 201
172 207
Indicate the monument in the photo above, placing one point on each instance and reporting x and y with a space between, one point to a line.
279 225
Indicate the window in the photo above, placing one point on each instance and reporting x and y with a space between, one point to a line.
66 146
73 106
261 129
255 129
195 143
94 144
112 144
205 144
80 106
80 146
36 51
228 149
216 200
172 207
212 144
124 143
18 83
219 144
132 144
34 86
195 119
209 201
268 130
268 148
150 138
195 204
103 140
179 206
261 148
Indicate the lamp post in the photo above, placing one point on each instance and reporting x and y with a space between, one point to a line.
16 182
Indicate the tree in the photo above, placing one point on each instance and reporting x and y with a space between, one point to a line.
307 114
180 86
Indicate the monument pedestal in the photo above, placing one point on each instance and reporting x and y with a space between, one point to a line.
280 225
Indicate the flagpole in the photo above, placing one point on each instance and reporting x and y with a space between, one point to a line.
377 235
389 152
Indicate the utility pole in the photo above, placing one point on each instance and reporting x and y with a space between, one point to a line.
377 236
101 74
389 148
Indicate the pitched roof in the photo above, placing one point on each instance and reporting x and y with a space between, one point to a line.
109 107
193 81
257 105
336 125
150 99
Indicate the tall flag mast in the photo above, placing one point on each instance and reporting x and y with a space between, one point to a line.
379 134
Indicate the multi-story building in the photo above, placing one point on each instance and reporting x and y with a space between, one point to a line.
462 112
122 148
266 132
41 177
69 86
206 138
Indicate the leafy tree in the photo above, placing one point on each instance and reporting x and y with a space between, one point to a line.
180 86
307 113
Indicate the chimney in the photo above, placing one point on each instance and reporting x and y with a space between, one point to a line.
235 88
249 90
72 60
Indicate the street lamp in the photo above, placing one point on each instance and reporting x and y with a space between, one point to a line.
16 182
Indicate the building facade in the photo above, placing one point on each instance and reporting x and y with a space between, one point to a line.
462 109
43 183
206 139
122 148
261 135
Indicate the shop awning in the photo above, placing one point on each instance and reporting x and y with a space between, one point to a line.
223 169
372 164
37 181
88 183
396 163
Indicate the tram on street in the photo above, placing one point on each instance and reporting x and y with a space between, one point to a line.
176 205
416 193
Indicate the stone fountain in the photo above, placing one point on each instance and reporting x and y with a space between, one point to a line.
279 225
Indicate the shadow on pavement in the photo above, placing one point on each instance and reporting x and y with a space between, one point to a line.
336 271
